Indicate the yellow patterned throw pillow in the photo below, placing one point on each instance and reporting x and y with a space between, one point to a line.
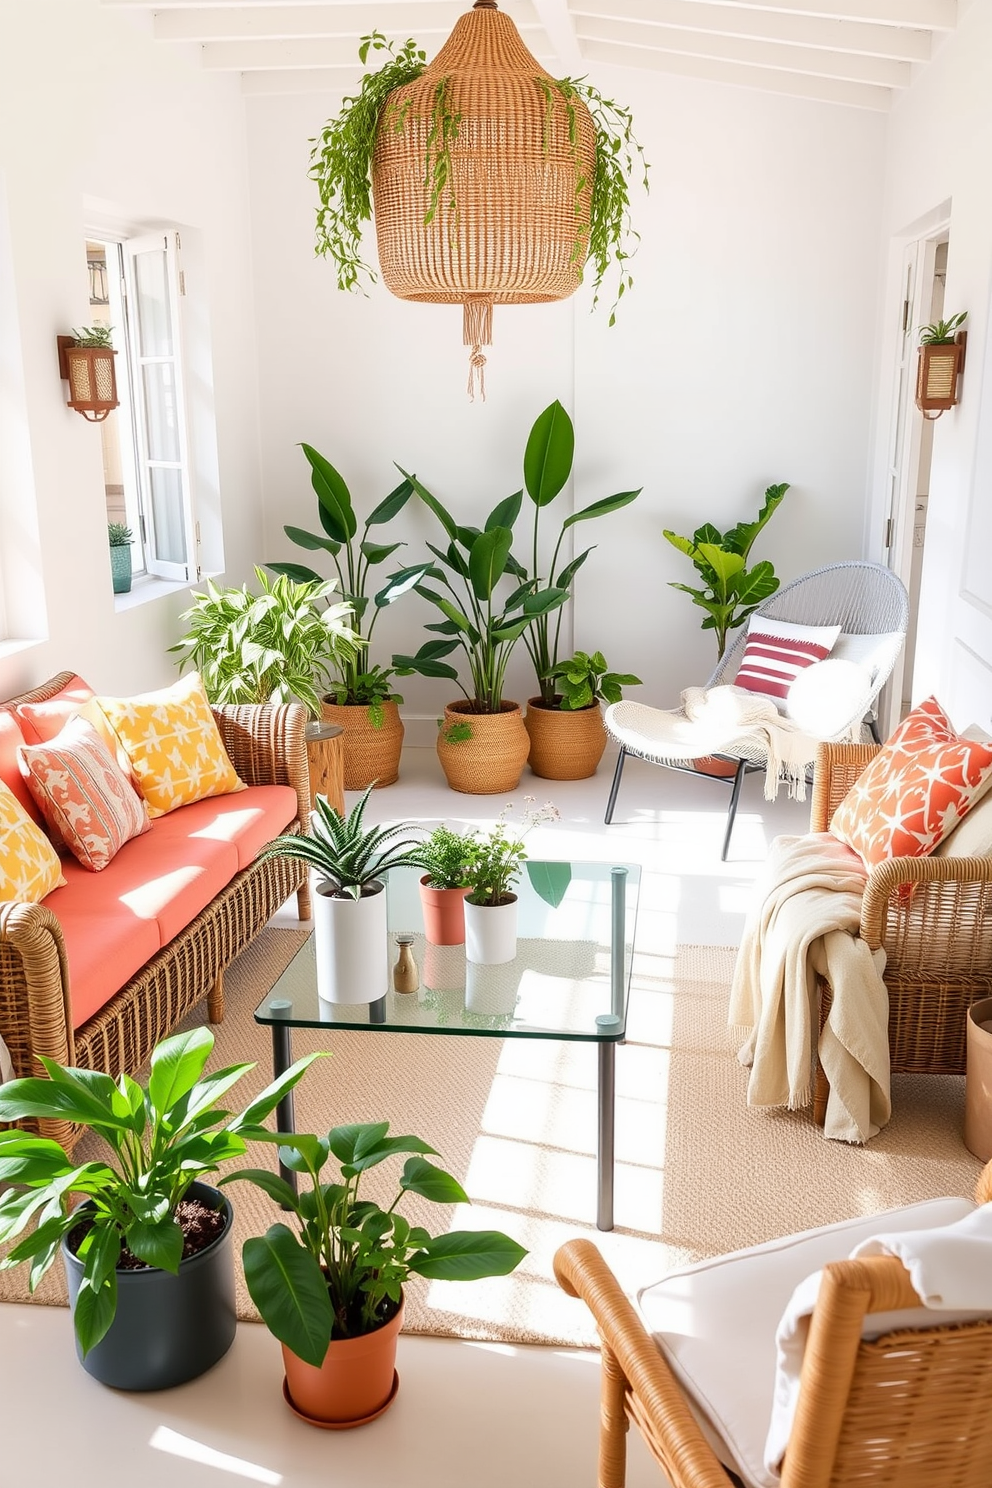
29 864
174 745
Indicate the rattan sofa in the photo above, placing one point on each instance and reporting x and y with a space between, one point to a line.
937 938
266 744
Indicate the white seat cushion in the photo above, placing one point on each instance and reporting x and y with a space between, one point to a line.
715 1322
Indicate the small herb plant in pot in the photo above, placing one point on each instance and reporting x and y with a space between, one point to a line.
495 864
445 855
148 1251
332 1291
568 737
350 927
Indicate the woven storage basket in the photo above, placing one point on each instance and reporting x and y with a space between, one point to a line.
565 744
518 230
492 760
370 753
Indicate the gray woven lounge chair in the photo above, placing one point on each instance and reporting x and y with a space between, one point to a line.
865 599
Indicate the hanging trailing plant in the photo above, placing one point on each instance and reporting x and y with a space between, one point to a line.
341 164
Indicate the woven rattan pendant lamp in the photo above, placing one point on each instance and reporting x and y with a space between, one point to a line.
512 224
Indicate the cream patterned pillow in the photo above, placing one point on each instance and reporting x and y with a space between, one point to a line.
174 745
29 864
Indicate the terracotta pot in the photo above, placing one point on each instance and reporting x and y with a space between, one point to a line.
355 1383
978 1081
370 753
491 932
444 914
491 761
565 744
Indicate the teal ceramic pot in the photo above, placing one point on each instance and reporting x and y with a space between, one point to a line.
120 568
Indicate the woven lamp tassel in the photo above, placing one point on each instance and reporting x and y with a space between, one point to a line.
477 331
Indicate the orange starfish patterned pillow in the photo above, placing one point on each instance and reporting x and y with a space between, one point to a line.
915 791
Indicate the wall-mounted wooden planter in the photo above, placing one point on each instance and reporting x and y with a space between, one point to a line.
89 371
937 374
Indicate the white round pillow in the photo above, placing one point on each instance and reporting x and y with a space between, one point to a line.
828 697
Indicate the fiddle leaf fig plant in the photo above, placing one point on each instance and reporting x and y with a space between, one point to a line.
730 590
340 1273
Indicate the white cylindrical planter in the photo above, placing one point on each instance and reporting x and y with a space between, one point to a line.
491 932
351 945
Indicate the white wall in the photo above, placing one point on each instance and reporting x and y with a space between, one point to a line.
939 150
736 362
93 110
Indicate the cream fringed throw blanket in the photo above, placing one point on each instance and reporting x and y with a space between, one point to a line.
804 919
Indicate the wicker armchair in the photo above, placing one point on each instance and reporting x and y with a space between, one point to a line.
937 940
907 1408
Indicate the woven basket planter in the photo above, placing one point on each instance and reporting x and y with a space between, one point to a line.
370 753
492 760
565 744
518 230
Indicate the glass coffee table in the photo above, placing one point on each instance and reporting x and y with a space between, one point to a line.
570 980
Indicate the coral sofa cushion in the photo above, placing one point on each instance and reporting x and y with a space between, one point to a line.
777 651
42 721
11 740
247 820
715 1323
29 864
916 789
85 799
174 745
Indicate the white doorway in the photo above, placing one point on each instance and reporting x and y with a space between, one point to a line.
910 451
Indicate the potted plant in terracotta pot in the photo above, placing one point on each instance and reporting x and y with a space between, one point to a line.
494 865
332 1290
568 737
148 1252
360 697
349 903
445 855
482 743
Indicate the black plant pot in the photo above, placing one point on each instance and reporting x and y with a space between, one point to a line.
167 1329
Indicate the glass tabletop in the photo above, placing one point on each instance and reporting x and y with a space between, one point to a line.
570 978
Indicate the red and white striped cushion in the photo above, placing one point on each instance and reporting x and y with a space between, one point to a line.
776 652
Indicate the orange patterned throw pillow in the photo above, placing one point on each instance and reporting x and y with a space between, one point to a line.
174 745
87 802
915 791
29 864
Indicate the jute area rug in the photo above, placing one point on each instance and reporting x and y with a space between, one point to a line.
698 1173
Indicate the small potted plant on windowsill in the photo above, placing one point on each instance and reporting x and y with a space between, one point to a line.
495 863
567 735
445 855
942 346
332 1292
120 537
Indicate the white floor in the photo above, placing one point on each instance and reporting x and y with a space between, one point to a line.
466 1414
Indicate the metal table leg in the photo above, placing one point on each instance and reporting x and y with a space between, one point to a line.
282 1058
605 1143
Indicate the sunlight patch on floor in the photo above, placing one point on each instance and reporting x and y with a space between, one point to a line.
163 1439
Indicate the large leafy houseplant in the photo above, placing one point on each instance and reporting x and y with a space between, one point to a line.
341 165
281 644
162 1137
353 680
730 590
341 1273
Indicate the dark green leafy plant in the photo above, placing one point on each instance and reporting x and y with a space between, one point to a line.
119 535
341 1274
941 332
341 165
547 466
352 681
269 647
731 590
162 1137
444 857
345 850
584 680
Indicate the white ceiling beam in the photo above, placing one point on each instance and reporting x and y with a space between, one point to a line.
333 52
765 79
332 82
898 42
928 15
880 71
286 22
559 27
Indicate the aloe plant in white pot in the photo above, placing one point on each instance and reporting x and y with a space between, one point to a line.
349 904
